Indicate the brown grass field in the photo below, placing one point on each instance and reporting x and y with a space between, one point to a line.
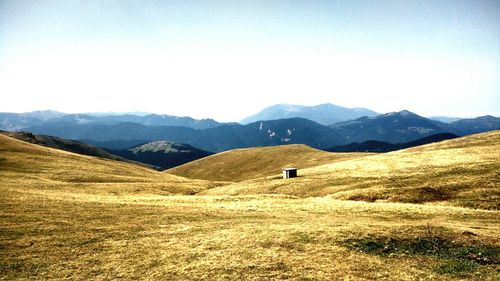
427 213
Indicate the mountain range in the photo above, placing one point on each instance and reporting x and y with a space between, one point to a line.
120 132
21 121
395 127
224 137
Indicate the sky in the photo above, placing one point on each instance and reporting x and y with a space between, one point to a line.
230 59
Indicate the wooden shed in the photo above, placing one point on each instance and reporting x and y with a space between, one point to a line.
289 173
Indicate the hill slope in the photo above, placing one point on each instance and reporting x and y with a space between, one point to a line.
43 168
69 145
463 172
163 154
325 114
248 163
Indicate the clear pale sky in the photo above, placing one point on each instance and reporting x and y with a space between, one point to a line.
229 59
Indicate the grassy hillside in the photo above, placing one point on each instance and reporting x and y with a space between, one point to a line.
43 168
69 145
249 163
67 216
462 172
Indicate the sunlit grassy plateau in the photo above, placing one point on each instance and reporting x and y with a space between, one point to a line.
431 212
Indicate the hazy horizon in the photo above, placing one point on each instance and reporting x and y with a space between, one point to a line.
143 113
227 60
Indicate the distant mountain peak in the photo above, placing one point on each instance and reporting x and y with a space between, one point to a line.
402 113
45 115
47 111
486 117
324 114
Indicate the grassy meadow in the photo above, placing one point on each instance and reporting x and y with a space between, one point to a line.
425 213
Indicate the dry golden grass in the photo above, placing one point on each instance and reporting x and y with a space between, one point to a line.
65 216
462 172
48 236
249 163
33 166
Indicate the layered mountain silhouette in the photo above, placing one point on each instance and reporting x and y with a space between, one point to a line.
395 127
21 121
163 154
473 126
123 131
224 137
381 146
18 121
324 114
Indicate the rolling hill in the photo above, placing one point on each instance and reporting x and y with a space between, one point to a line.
71 146
248 163
46 169
324 114
463 172
163 154
68 216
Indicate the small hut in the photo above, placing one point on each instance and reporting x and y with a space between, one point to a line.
289 173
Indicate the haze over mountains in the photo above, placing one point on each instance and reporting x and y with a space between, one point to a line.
122 132
18 121
324 114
